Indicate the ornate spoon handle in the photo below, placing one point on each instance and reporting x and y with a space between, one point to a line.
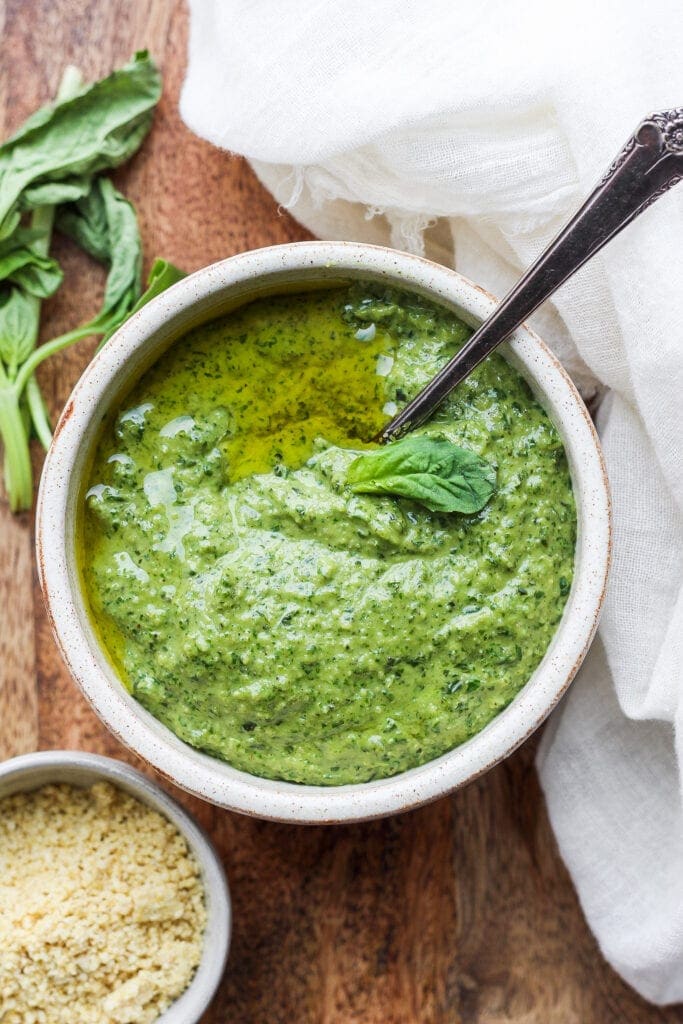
647 166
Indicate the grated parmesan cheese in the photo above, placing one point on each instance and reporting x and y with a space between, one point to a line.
101 908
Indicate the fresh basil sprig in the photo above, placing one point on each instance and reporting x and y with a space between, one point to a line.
49 167
54 155
430 470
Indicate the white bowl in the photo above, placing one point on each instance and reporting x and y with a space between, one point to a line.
208 294
31 771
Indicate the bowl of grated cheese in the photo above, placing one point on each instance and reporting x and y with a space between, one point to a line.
114 905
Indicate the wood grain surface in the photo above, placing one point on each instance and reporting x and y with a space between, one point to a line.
458 913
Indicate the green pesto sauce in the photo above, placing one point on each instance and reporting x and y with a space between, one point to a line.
272 618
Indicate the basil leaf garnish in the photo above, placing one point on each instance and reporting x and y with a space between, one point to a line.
431 470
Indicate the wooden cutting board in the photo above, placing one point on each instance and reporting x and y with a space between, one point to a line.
459 912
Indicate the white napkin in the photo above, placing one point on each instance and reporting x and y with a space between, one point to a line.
470 132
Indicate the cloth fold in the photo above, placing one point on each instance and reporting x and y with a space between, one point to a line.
470 133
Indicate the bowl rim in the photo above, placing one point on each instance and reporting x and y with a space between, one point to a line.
214 780
75 767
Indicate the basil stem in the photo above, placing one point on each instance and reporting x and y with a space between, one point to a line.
17 467
38 414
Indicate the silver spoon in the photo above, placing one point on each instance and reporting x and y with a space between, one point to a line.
648 165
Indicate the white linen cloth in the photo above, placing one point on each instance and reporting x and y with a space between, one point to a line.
470 132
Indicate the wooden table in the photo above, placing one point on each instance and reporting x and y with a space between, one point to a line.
459 912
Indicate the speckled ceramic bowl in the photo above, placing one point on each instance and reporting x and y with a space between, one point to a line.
208 294
31 771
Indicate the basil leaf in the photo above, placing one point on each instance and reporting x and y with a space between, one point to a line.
105 225
26 274
17 326
85 221
430 470
22 237
52 193
67 142
39 275
22 265
124 280
161 276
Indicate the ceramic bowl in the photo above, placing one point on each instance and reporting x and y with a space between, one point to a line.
31 771
208 294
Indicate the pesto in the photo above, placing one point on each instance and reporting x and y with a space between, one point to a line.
266 613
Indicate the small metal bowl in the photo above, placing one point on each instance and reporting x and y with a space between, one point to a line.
31 771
